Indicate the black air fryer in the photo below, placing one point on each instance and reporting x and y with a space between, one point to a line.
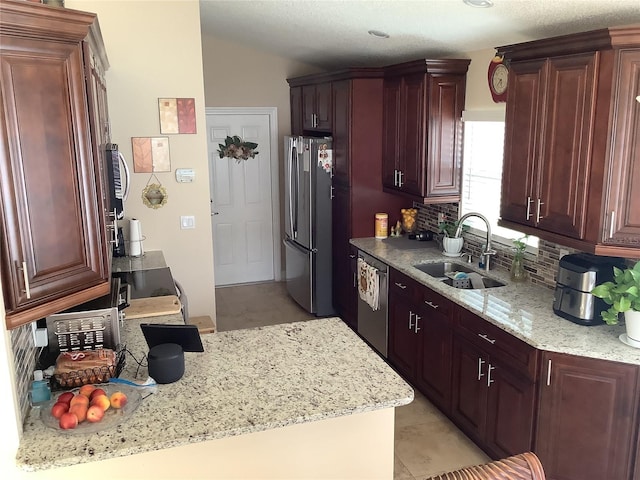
578 274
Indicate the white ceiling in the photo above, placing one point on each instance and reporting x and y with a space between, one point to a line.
333 33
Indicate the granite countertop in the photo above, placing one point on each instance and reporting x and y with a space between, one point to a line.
522 309
245 381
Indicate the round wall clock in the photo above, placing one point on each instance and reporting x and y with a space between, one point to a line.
498 76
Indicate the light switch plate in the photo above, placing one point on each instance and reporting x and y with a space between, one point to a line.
187 222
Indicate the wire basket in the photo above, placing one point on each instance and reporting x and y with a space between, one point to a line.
77 378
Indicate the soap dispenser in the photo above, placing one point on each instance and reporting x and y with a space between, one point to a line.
40 392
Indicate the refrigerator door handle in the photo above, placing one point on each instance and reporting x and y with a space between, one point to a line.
291 153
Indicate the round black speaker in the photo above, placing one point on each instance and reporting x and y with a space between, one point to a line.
166 362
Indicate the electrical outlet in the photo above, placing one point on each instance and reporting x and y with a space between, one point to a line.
441 217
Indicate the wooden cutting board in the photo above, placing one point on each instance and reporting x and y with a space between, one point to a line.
152 307
204 324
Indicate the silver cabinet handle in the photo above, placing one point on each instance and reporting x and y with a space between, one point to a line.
480 363
528 208
612 223
399 285
331 195
417 328
538 216
352 255
355 279
432 305
489 380
395 177
549 374
485 337
410 317
400 174
25 277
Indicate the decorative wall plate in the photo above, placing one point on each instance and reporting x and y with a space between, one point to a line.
154 195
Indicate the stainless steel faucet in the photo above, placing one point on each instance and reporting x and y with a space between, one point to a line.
487 251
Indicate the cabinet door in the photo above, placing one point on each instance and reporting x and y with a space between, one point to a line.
341 131
391 131
622 211
568 124
434 357
587 418
308 107
522 135
412 134
324 111
403 339
470 393
444 135
48 181
511 413
295 96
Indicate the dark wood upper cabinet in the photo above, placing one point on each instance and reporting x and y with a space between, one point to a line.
295 97
587 418
572 140
53 248
316 107
422 139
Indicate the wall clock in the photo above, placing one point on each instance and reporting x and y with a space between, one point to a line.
498 76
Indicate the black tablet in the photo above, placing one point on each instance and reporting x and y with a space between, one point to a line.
187 336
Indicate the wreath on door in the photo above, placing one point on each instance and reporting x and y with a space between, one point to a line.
234 147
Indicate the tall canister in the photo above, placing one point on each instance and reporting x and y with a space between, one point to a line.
382 225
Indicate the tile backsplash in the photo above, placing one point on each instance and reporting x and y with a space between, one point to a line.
542 267
25 357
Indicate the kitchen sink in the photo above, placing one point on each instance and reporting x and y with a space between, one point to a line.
441 270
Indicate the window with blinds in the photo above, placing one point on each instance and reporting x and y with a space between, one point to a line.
482 177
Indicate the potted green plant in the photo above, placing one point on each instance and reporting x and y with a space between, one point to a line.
452 245
623 296
518 273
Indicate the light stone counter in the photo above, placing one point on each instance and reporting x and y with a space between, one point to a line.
246 381
522 309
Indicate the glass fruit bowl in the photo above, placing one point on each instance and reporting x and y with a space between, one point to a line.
112 416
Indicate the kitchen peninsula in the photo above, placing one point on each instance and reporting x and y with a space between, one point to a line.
287 400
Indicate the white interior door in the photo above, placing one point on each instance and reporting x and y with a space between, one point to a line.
241 201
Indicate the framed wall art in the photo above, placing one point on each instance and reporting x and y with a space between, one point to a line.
151 154
177 115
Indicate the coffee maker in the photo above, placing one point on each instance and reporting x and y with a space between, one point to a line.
578 274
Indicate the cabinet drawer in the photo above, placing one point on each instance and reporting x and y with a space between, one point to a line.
498 343
432 301
404 285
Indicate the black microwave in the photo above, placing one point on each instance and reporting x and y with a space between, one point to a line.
117 174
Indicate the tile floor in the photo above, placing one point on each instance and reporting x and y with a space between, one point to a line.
426 442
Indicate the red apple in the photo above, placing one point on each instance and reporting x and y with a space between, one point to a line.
118 400
68 421
59 408
95 413
65 397
97 392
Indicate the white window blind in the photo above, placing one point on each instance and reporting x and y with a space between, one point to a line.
482 177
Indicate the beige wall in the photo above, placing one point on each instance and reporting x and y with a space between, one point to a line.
478 97
154 50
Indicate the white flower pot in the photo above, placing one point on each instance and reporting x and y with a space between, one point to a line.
632 322
452 246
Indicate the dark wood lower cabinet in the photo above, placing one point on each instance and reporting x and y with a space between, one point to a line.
587 418
579 415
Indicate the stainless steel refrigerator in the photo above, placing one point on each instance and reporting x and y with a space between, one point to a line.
308 170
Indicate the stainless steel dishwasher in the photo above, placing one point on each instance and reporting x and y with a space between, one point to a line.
372 324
